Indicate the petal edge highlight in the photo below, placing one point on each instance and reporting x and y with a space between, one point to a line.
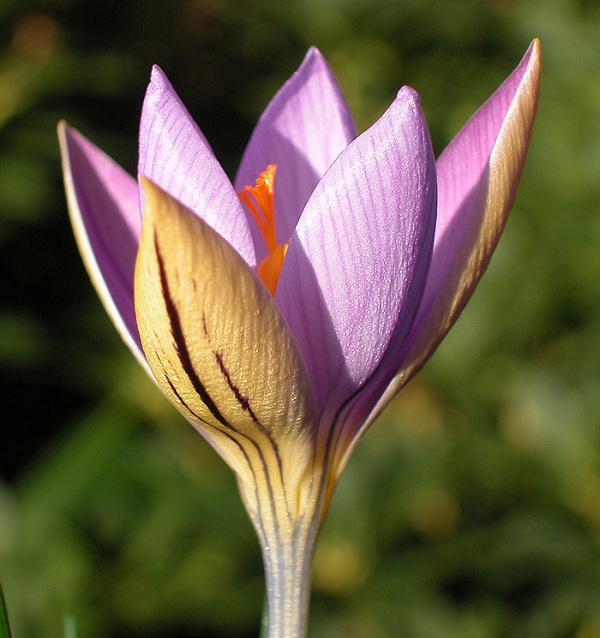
103 203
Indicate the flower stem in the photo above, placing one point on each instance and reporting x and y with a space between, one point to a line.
288 580
285 504
287 545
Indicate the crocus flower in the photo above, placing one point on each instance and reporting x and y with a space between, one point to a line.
282 314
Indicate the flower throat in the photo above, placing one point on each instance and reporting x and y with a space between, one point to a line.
260 201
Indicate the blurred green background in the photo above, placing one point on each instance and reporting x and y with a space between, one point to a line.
471 509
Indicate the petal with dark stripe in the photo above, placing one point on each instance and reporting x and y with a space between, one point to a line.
217 343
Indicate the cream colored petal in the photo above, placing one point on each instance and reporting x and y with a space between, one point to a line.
222 353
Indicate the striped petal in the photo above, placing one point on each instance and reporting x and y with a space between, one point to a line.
353 276
175 155
103 203
220 349
303 129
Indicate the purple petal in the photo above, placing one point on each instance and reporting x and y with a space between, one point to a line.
478 175
303 129
176 156
104 208
353 276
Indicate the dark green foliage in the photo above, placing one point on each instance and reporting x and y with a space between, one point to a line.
4 624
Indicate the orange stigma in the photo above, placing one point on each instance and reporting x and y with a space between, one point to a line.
260 201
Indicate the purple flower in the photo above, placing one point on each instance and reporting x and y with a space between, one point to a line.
281 315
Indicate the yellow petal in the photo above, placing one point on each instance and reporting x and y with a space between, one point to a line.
222 352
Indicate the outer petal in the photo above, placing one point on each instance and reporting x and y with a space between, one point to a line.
220 349
175 155
303 129
354 273
478 176
104 208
